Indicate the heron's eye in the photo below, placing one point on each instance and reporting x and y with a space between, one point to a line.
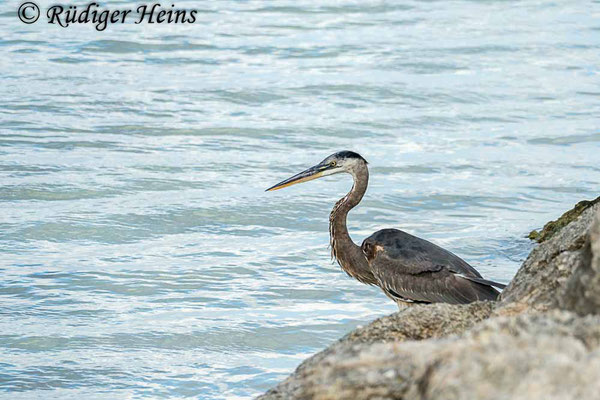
333 163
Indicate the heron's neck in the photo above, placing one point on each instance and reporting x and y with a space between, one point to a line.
343 249
351 200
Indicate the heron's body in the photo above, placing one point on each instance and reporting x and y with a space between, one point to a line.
407 268
411 269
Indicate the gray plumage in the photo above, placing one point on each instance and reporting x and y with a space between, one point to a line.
412 269
408 269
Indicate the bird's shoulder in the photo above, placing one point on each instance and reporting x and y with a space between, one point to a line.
398 250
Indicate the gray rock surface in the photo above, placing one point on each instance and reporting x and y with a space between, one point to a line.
542 278
525 357
540 341
582 292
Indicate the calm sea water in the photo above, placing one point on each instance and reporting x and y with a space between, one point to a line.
140 255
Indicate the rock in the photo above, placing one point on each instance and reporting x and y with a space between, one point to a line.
553 355
412 323
543 276
582 292
540 341
546 356
422 321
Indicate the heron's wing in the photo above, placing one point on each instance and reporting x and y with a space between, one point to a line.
485 282
431 287
412 269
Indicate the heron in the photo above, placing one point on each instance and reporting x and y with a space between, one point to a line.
407 268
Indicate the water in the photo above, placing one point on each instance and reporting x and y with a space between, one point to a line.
141 257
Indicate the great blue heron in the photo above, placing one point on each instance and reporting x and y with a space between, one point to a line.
407 268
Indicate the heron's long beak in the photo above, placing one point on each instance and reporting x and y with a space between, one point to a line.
304 176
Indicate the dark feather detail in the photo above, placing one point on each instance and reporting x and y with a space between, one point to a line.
485 282
349 154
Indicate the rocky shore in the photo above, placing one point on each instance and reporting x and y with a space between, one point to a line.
541 340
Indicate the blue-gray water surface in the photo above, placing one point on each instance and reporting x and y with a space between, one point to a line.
140 255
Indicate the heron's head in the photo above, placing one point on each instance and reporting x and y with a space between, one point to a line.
343 161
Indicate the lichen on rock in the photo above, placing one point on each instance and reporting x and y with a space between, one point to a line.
552 227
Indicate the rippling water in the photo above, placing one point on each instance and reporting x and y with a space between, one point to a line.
140 254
